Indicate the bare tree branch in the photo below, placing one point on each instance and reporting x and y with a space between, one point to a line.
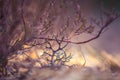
106 25
57 57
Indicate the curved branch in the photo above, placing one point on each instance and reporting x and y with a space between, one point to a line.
18 43
93 38
100 32
23 20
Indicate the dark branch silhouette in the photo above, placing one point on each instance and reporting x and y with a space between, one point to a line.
33 22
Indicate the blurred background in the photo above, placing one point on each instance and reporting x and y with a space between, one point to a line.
110 39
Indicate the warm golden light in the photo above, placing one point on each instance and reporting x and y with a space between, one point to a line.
87 55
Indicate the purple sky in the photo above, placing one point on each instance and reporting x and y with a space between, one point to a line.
109 40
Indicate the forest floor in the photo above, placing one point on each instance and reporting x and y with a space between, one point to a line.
28 70
86 73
